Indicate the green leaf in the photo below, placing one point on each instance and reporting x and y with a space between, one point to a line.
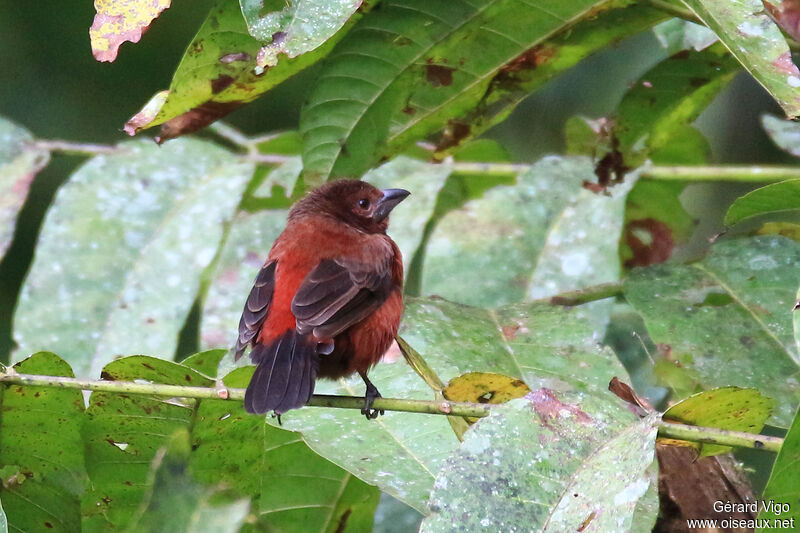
755 40
731 408
205 362
543 235
253 458
668 97
251 237
428 62
743 292
301 26
784 133
175 502
458 188
541 344
544 345
486 101
220 70
123 433
675 35
534 465
773 198
3 520
782 493
19 163
122 251
42 473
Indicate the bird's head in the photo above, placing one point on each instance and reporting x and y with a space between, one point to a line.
352 202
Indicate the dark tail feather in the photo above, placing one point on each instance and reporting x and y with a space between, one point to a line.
285 375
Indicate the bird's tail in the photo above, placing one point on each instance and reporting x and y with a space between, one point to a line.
285 375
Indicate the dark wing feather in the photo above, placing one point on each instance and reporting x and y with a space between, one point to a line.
256 308
337 294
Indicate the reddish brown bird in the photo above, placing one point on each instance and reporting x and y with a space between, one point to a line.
328 300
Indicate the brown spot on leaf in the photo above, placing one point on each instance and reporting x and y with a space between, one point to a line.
527 60
650 240
220 83
785 64
548 406
438 75
787 16
106 376
340 527
665 350
148 366
196 119
611 169
408 110
510 331
697 81
48 525
453 134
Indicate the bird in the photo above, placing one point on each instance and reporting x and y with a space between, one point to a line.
328 300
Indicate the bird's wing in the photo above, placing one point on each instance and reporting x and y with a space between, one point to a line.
339 293
256 308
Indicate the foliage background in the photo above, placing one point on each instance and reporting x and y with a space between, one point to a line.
55 89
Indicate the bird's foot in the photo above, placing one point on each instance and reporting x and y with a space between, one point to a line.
369 398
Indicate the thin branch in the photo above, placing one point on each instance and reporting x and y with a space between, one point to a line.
76 148
181 391
723 437
588 294
266 159
231 134
721 173
666 429
489 169
667 173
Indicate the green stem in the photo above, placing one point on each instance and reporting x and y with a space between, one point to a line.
231 134
588 294
489 169
656 172
721 173
77 148
181 391
722 437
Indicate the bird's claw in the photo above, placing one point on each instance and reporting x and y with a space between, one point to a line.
369 398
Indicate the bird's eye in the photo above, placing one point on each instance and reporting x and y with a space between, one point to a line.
363 203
